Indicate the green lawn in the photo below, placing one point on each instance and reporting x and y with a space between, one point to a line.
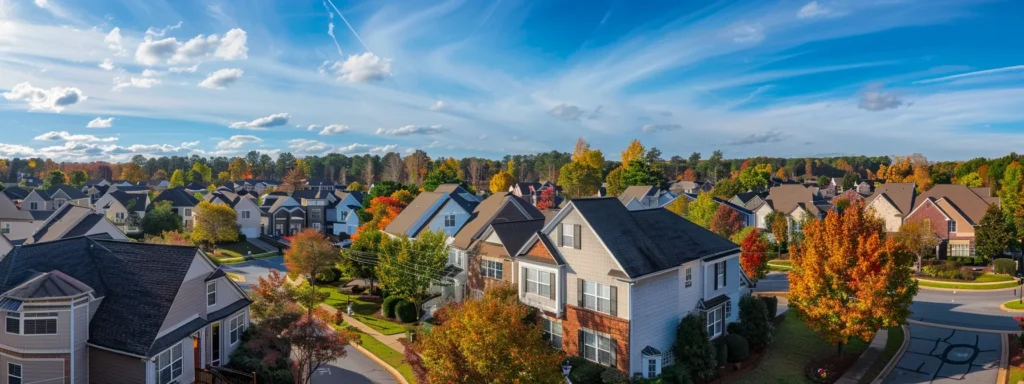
242 248
794 346
892 345
992 278
384 352
966 286
1016 374
1014 304
780 265
364 311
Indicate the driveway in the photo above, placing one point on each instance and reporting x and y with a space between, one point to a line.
355 368
940 355
252 270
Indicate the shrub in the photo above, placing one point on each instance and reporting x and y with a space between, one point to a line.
675 374
388 307
772 303
614 376
754 324
721 354
1004 266
584 371
406 311
693 347
327 276
739 349
952 269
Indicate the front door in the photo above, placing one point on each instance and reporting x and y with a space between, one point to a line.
197 346
215 360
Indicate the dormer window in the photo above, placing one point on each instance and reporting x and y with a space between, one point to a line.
449 220
211 293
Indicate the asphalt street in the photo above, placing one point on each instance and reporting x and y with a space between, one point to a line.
938 355
252 270
354 368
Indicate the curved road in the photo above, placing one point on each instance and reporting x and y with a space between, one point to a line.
974 309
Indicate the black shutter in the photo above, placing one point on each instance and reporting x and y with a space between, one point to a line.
579 338
725 273
559 234
716 276
579 297
576 236
554 288
614 296
614 362
524 279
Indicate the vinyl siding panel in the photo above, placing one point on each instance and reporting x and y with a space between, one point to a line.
59 342
114 368
888 213
591 262
226 295
660 302
21 230
34 370
449 208
190 301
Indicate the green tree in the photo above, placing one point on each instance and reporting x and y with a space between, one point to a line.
79 179
728 188
994 234
408 267
54 179
215 223
613 182
702 210
823 181
850 180
1010 192
693 348
204 171
971 180
640 172
367 244
756 178
579 180
160 219
447 173
177 179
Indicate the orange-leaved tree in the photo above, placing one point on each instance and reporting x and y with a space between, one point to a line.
547 199
754 255
383 209
849 279
726 221
310 254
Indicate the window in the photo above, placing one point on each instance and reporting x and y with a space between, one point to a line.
14 323
597 297
6 228
59 202
492 269
315 214
553 330
951 223
316 225
34 206
168 365
211 293
188 212
245 214
568 230
689 277
719 275
714 318
119 215
40 323
235 327
652 368
728 309
538 282
959 249
458 258
449 220
597 348
14 374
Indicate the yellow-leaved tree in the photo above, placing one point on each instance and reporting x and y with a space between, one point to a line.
849 279
215 223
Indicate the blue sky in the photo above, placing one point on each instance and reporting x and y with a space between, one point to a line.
105 80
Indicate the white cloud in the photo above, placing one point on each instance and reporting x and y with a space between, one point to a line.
383 149
163 31
261 124
100 122
311 127
771 136
234 142
151 73
874 98
107 64
361 68
566 112
334 129
135 82
651 128
971 74
812 9
747 33
230 47
191 69
412 130
439 106
190 144
54 99
222 78
114 40
65 136
352 148
304 146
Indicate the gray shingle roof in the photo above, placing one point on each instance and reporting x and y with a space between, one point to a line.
126 199
16 193
637 192
178 197
416 209
72 192
48 285
514 234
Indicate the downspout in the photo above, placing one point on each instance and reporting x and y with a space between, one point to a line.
72 340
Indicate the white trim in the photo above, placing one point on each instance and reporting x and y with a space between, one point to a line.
72 344
33 350
933 202
207 296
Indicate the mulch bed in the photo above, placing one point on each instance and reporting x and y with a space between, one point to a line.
1016 352
734 370
836 366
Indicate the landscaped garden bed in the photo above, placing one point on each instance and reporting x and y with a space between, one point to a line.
1016 358
787 357
365 308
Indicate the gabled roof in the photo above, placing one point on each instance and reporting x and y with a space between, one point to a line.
126 199
787 197
901 195
72 192
178 197
310 194
637 192
513 234
737 208
963 198
195 187
137 281
491 209
101 189
41 193
648 241
16 193
419 207
527 189
462 197
132 188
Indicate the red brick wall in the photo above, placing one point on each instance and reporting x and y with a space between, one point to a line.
540 250
476 281
576 318
935 217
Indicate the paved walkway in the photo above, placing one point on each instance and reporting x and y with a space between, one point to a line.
945 355
389 340
868 358
262 244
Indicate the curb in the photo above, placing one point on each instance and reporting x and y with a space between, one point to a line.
394 372
971 283
895 358
966 329
1004 362
967 289
1003 307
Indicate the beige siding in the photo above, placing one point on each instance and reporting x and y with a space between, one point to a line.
59 342
888 213
105 226
226 294
21 230
81 355
114 368
533 299
188 303
253 222
41 205
963 226
591 262
35 370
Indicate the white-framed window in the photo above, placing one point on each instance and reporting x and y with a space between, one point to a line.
715 322
316 225
169 364
59 202
14 373
728 309
119 215
720 274
245 214
32 323
689 277
33 206
5 228
553 329
458 258
567 236
652 367
597 347
539 282
952 226
14 323
449 220
597 297
211 293
188 212
959 250
492 269
235 327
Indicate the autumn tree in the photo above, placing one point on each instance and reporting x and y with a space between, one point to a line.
486 341
238 169
54 179
993 234
679 206
728 188
848 279
778 224
546 199
408 267
311 253
294 180
702 210
200 174
215 223
726 221
448 173
754 255
689 175
756 178
501 182
634 151
613 182
403 197
223 177
133 173
781 174
159 175
314 342
177 179
354 187
365 247
917 237
971 180
382 211
579 180
78 178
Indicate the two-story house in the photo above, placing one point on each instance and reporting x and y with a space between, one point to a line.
121 208
483 256
17 224
342 217
183 203
613 284
796 201
435 211
247 214
892 202
645 197
954 212
281 215
83 310
73 221
53 198
315 202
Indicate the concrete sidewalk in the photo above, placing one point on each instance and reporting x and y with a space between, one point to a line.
389 340
866 360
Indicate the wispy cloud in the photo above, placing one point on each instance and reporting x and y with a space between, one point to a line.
652 128
874 98
972 74
261 124
759 138
222 78
412 130
53 100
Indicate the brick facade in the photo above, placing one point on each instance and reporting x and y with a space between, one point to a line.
577 318
478 282
928 211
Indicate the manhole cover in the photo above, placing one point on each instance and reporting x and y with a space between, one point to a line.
960 354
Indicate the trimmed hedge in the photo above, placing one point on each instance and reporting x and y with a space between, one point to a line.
388 307
584 371
1004 266
614 376
722 354
772 303
738 349
327 276
406 312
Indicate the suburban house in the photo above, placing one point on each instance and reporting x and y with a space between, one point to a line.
749 200
194 188
16 194
691 187
247 214
472 247
953 211
612 284
747 216
850 195
892 202
796 201
30 182
96 191
85 310
160 185
321 185
183 203
281 215
119 206
645 197
16 224
342 214
73 221
55 197
433 211
315 202
864 187
525 191
258 187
